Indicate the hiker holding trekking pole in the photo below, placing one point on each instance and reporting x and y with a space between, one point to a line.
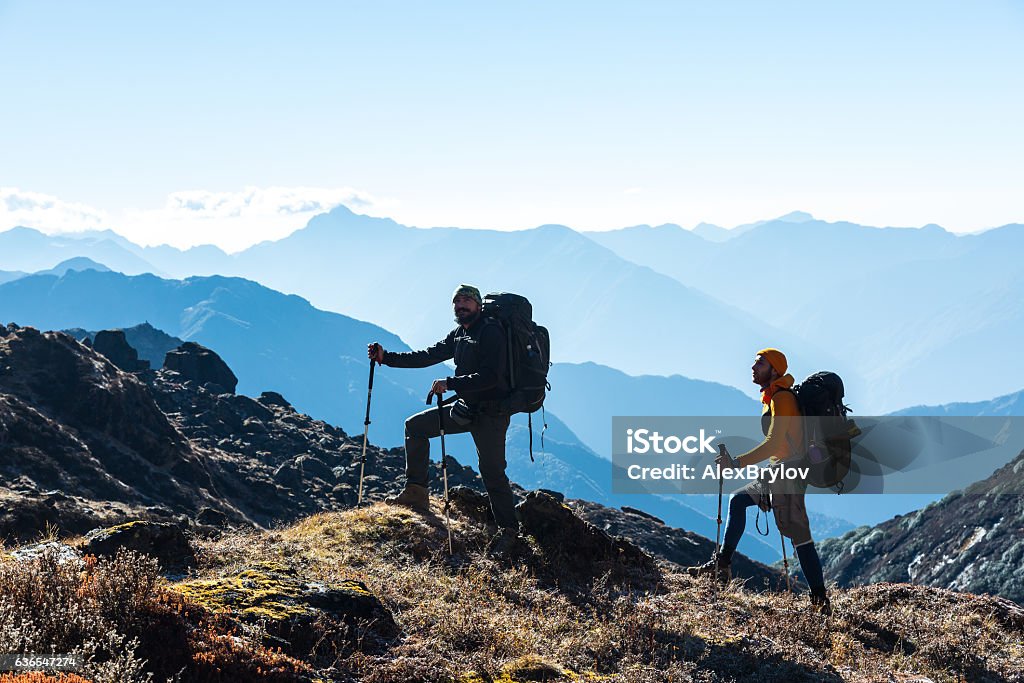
480 407
782 425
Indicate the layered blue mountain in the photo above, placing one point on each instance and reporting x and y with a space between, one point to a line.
74 263
598 306
969 540
1010 404
272 341
891 304
31 251
317 360
588 395
883 306
8 275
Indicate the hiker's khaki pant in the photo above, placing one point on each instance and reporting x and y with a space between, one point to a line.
785 498
488 433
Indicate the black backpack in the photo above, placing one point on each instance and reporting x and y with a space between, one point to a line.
529 354
828 433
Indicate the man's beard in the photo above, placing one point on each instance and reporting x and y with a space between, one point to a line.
464 316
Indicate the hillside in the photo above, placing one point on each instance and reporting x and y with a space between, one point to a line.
271 340
371 595
318 362
284 581
971 540
86 444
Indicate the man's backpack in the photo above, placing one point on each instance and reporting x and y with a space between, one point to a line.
529 354
828 433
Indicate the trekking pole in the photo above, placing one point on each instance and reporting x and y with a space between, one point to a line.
785 562
718 535
366 429
444 466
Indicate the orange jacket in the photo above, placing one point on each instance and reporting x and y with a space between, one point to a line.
785 436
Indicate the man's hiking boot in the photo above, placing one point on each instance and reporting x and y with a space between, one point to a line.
506 543
820 601
719 567
414 496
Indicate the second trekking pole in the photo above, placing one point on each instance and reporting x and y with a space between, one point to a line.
718 534
444 466
785 561
366 429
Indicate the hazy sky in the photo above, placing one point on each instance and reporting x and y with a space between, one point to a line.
183 122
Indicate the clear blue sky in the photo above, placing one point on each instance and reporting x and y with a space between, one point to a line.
509 115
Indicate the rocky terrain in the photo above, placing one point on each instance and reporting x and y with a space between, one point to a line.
150 344
253 564
971 540
372 594
84 443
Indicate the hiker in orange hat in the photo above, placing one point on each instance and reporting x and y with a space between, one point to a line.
784 441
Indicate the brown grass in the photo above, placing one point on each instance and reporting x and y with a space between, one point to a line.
473 619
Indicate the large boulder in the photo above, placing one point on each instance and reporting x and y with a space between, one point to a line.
293 610
471 503
575 547
114 345
165 542
201 365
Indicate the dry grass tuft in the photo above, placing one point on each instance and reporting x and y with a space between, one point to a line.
471 618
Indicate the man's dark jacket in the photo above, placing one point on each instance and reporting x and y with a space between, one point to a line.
481 361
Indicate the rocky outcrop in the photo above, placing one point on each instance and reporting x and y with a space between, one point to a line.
164 542
578 547
150 344
682 547
201 365
969 541
84 445
288 605
114 345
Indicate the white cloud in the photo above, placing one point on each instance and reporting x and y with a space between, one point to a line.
230 220
47 213
255 201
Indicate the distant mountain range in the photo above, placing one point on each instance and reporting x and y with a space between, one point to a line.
588 395
272 341
29 250
276 342
890 303
969 540
598 306
1010 404
882 306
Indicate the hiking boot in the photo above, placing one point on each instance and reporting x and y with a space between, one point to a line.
722 570
414 496
506 543
820 601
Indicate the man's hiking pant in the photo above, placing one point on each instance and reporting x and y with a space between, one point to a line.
488 433
785 498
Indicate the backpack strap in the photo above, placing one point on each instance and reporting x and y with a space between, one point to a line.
544 418
529 428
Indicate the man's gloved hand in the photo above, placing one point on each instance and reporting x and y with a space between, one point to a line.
438 387
375 352
724 460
